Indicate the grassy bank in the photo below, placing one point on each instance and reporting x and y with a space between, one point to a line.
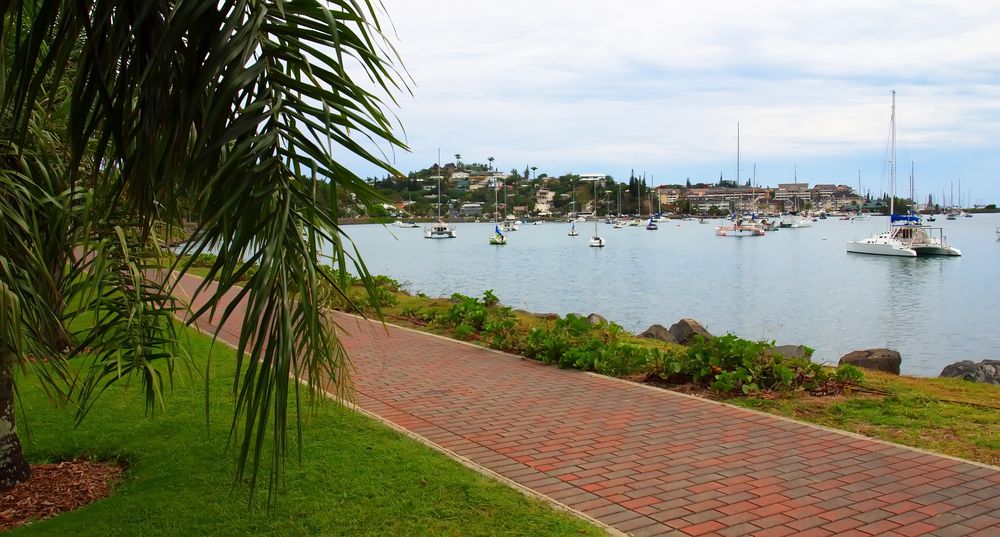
357 477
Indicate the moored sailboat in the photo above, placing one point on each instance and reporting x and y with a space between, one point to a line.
906 236
596 240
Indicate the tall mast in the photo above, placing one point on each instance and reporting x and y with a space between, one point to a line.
438 170
892 159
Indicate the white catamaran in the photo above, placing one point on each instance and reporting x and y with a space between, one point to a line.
596 241
906 236
439 230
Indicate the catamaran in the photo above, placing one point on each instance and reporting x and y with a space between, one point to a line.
439 230
596 241
906 236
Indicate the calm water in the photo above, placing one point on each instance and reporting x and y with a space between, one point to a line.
795 286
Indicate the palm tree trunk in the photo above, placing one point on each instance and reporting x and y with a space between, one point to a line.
13 466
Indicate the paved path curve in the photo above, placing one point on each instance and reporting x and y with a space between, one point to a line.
652 462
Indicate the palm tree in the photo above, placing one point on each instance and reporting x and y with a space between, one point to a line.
458 160
491 162
120 119
533 173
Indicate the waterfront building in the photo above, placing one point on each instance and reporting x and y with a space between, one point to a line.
793 195
668 195
471 209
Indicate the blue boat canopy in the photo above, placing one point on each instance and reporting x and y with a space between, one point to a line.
905 218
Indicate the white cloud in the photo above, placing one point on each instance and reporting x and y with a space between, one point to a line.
583 85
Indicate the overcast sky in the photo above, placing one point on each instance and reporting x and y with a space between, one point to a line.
658 86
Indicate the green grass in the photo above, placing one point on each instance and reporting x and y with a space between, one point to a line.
356 477
919 412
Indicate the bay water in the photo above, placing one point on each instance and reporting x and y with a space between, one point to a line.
792 286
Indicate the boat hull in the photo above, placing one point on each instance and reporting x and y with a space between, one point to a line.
879 248
727 231
936 250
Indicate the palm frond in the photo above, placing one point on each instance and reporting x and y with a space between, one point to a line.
229 112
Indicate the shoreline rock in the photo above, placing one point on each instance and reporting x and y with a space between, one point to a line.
684 331
986 371
658 332
793 351
886 360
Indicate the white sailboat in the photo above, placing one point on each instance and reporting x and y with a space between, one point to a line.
439 230
908 237
596 241
509 223
739 228
794 220
498 237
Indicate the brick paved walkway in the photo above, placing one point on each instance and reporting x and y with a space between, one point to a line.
652 462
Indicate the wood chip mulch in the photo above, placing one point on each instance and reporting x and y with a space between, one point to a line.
54 488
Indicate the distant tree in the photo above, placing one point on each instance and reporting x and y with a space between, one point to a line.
527 172
534 172
491 159
688 184
458 160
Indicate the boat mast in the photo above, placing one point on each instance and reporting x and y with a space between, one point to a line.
438 170
892 160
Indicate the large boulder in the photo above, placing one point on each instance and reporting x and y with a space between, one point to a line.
987 371
792 351
594 318
886 360
660 332
684 331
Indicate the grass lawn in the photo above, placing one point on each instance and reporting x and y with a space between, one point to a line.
357 477
922 412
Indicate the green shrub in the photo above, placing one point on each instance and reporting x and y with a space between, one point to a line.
733 365
849 374
489 299
464 332
204 260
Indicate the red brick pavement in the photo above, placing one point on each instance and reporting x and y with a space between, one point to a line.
652 462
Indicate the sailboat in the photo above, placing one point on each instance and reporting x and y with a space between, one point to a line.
651 225
509 222
439 230
497 238
596 241
572 230
739 228
793 219
908 237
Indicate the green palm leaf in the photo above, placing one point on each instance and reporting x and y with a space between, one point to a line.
230 112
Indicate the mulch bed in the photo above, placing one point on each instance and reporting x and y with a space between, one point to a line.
54 488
